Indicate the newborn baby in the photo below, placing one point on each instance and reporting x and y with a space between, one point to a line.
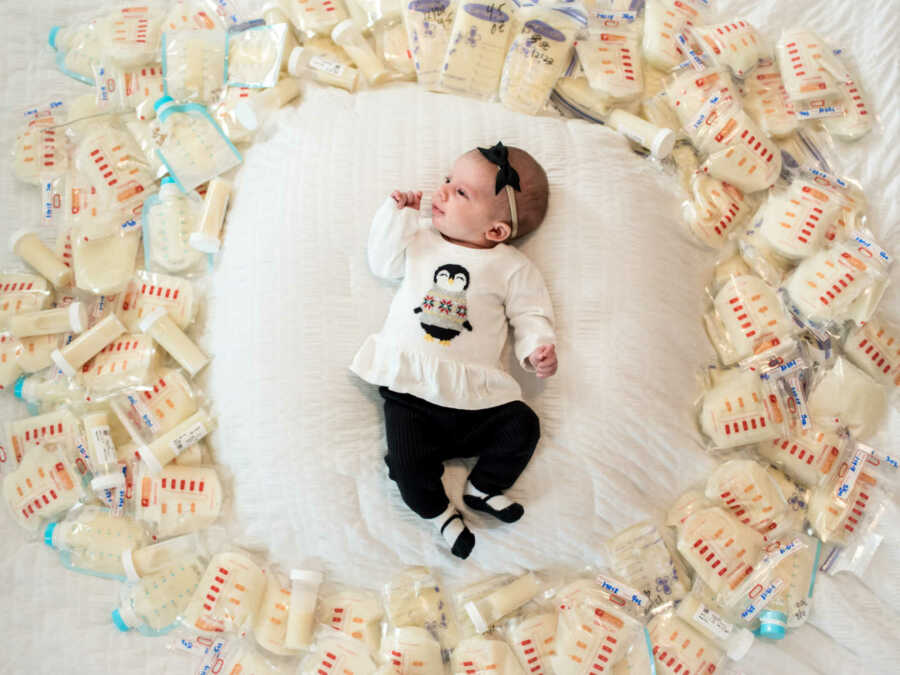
437 359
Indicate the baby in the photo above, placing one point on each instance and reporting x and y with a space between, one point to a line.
437 359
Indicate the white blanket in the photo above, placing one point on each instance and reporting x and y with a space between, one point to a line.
293 299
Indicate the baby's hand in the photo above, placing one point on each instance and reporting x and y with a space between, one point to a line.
544 360
404 199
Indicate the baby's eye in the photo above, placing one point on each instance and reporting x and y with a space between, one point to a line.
446 179
461 192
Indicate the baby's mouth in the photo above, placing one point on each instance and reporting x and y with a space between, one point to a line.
435 211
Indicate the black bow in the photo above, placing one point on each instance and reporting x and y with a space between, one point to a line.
506 175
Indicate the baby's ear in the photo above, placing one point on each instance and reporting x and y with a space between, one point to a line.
499 232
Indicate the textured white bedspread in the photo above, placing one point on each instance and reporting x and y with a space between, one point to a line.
292 299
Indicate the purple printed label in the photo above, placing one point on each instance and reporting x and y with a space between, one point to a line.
544 29
429 5
487 12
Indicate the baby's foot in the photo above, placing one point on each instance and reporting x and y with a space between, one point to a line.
454 531
497 505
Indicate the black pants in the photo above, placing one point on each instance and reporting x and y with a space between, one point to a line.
422 435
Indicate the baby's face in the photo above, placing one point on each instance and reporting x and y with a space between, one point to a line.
464 208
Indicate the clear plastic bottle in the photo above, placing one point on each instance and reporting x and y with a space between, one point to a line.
152 605
302 610
212 217
160 326
146 561
28 246
70 358
492 608
69 319
347 35
91 540
323 67
252 112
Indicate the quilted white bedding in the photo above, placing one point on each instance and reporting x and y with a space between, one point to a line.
292 299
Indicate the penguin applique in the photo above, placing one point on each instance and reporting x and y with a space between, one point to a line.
444 310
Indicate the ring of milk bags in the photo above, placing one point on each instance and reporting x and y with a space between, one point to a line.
100 175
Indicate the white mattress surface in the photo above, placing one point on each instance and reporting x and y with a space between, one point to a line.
292 299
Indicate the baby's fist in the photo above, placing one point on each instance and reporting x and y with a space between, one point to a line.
404 199
544 360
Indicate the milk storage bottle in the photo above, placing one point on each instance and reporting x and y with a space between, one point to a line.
160 326
302 608
348 36
74 355
212 217
146 561
152 605
69 319
323 68
92 539
492 608
28 246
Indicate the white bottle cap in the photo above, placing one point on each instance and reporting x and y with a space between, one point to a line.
150 460
128 563
107 482
663 143
739 644
129 616
28 390
77 317
61 363
151 318
204 242
294 61
311 576
273 14
169 190
16 236
338 32
477 620
246 115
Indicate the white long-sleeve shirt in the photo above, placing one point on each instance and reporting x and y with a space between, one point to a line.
446 328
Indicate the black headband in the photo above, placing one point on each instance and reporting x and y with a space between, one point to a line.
506 175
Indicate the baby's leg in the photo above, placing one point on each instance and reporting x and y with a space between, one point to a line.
415 463
504 439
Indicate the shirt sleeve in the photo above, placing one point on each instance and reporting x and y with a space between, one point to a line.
530 313
392 231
